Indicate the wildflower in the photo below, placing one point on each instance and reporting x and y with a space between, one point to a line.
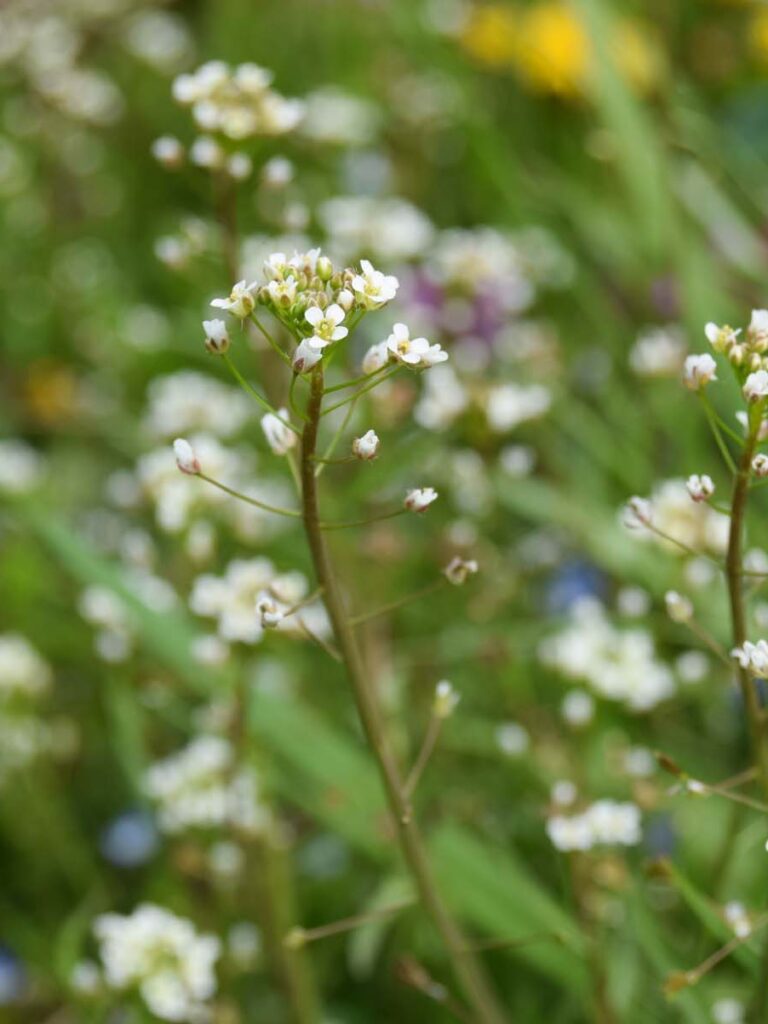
306 356
658 352
753 658
186 459
206 152
420 498
758 329
280 437
698 371
283 293
21 466
217 339
760 465
168 151
269 611
187 401
458 569
735 914
376 357
756 386
722 339
345 299
241 301
162 955
367 446
326 325
512 739
563 793
445 700
700 488
239 166
414 352
277 172
578 708
372 288
679 608
508 405
637 512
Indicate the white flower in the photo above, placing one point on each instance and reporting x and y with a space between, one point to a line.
275 265
21 466
578 708
241 301
186 459
698 371
372 288
414 352
346 299
753 658
367 446
217 338
283 293
735 913
458 570
445 700
306 356
168 151
508 405
326 325
239 166
564 793
280 437
206 152
605 823
679 607
756 386
700 488
760 465
164 956
277 172
720 338
269 610
420 498
637 512
758 326
376 357
512 739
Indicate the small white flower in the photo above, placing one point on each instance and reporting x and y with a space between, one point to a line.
326 325
206 152
376 357
760 465
372 288
277 172
758 326
239 166
367 446
283 293
168 151
420 498
698 371
414 352
186 459
279 436
445 700
269 611
241 302
699 487
756 386
753 658
721 338
275 266
345 299
735 913
679 607
578 708
217 338
637 513
306 356
457 570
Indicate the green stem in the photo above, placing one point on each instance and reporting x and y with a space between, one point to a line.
467 969
712 420
362 391
255 394
250 501
336 438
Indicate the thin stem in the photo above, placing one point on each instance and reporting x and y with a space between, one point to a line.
467 969
362 522
362 391
356 380
336 437
427 747
346 924
681 544
712 420
283 355
255 394
310 635
251 501
734 573
355 620
709 641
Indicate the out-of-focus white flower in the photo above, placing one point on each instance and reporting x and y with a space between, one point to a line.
239 166
760 465
442 400
679 607
414 352
578 708
206 152
619 664
168 151
372 288
459 569
186 459
639 762
753 658
670 513
280 437
692 666
333 116
698 371
326 325
217 338
420 498
758 329
21 467
188 401
634 602
729 1011
658 352
445 701
389 228
367 446
756 386
701 487
604 823
277 172
161 955
306 356
241 301
376 357
512 739
563 793
736 915
637 512
269 611
85 978
508 405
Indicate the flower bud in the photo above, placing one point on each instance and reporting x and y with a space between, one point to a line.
756 386
760 465
637 512
280 437
305 357
700 488
345 299
679 608
445 700
420 498
186 459
698 371
367 446
457 570
217 338
168 151
324 268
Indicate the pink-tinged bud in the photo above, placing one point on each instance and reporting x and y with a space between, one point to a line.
420 498
367 446
186 459
217 339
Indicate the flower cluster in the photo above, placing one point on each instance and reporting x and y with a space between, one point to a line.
163 957
619 664
201 786
25 678
744 349
670 513
753 658
603 823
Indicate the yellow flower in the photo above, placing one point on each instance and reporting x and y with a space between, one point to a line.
553 52
490 34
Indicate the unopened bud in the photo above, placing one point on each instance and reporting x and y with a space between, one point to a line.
186 459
